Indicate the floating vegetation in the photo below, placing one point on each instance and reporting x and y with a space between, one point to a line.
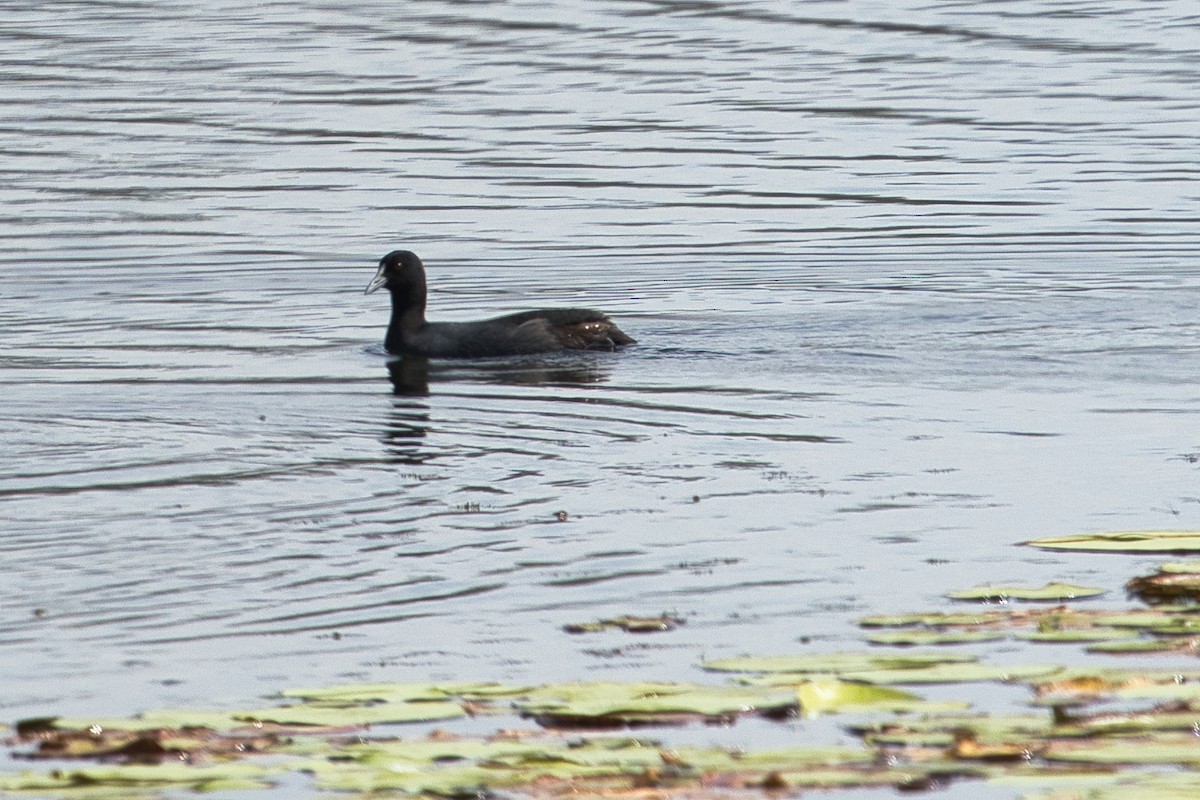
955 673
1162 629
1167 586
831 663
1181 566
129 742
1051 592
613 705
659 624
1099 733
598 767
1046 747
831 695
1118 636
910 638
1125 542
910 743
112 782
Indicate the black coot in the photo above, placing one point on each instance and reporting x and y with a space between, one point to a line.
543 331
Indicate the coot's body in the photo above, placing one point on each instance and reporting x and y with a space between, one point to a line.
542 331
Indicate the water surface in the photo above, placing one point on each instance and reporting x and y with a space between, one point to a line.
913 283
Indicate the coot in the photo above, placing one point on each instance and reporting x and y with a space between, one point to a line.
543 331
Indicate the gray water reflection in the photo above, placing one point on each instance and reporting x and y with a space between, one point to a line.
912 282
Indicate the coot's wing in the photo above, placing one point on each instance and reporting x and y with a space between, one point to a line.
539 331
571 328
554 316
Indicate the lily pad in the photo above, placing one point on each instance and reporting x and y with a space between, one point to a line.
1077 635
131 746
371 693
464 780
1176 749
155 720
1088 685
1125 542
1139 646
829 695
930 638
935 619
1158 786
629 624
1181 567
311 714
132 778
833 663
1146 619
1122 723
622 704
1053 592
980 726
953 673
1052 620
1166 587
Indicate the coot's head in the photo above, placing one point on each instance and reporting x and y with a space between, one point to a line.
400 271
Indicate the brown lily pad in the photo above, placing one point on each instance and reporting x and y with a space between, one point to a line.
1166 587
138 746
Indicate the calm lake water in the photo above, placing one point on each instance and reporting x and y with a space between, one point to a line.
913 283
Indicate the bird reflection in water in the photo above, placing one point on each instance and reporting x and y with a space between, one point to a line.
410 377
409 420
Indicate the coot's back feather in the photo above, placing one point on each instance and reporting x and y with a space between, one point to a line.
540 331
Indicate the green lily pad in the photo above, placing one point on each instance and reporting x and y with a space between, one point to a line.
829 695
1125 542
450 780
980 726
1074 636
1182 750
903 738
934 619
833 663
901 776
619 703
1116 786
1054 592
1146 619
1160 691
1180 567
930 638
1134 647
447 749
364 693
135 777
156 720
355 715
1136 722
953 673
1182 627
369 693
